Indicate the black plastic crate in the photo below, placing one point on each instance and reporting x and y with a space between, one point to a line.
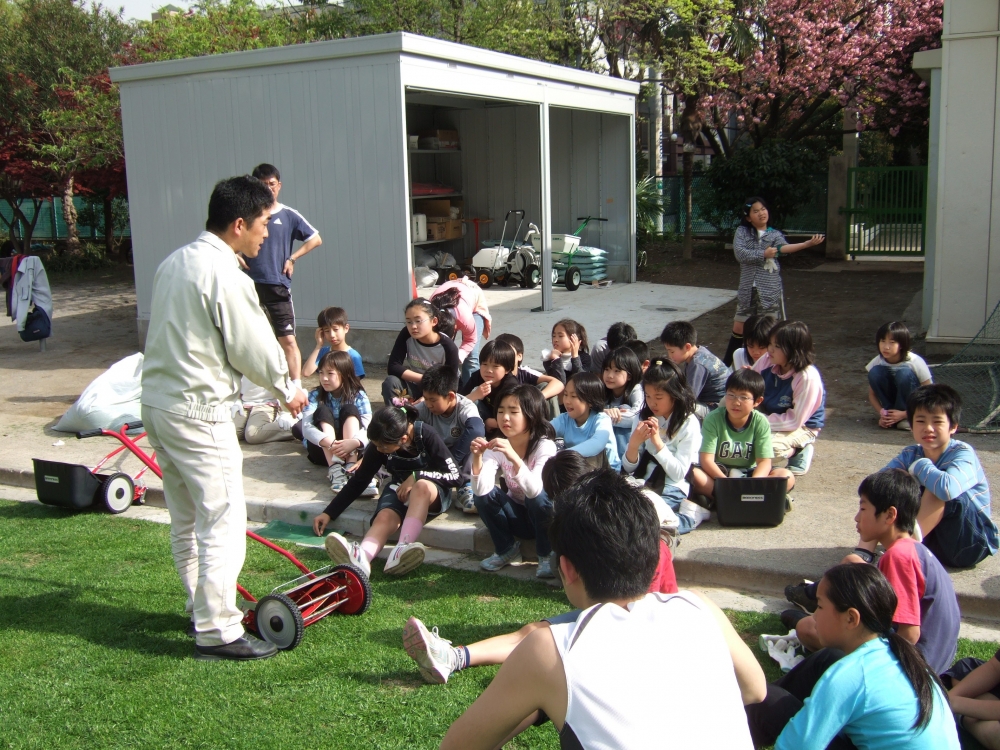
65 485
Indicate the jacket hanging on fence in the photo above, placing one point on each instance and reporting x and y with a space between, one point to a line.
31 300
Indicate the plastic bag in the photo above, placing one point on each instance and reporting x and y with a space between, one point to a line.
423 258
424 277
111 399
444 260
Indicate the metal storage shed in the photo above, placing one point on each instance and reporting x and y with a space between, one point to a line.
334 118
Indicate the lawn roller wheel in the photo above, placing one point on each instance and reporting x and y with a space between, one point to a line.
359 591
573 278
484 277
279 621
531 277
116 493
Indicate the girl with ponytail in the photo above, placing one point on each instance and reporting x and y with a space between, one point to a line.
868 688
467 304
422 472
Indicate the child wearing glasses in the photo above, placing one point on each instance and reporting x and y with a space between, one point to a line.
425 341
735 438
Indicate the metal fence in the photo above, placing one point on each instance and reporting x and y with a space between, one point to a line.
809 219
50 225
886 210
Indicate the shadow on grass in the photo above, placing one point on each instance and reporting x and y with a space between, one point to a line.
459 633
62 612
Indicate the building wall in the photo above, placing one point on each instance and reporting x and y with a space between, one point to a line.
334 128
966 263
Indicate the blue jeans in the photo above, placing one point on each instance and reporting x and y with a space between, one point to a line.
471 363
962 537
673 495
892 385
508 520
621 438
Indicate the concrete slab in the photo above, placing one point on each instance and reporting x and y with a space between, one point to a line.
646 306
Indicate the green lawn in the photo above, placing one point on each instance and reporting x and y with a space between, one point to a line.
94 654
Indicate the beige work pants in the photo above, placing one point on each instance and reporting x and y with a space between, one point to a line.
203 485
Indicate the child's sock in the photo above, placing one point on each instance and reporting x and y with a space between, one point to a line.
410 530
462 657
370 547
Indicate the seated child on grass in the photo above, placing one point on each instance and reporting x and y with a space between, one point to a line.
794 396
423 474
584 426
975 697
954 516
333 424
868 687
331 336
756 337
894 374
704 372
455 419
618 335
635 670
622 376
437 659
570 352
735 438
927 613
524 509
494 378
422 344
550 386
667 431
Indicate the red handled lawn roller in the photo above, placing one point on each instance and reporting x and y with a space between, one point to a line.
280 617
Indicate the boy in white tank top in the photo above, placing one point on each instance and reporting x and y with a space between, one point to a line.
635 670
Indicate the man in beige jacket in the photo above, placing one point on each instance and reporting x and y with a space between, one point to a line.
206 329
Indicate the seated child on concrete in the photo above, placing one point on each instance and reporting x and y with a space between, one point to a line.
524 509
423 474
436 658
894 374
465 300
618 335
868 687
705 373
584 426
927 613
331 335
667 431
423 343
334 422
756 337
592 677
954 516
550 386
735 438
975 697
570 351
622 377
455 419
258 416
794 396
494 378
641 350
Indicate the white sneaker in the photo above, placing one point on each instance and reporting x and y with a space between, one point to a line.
434 656
336 476
372 489
404 558
343 552
694 511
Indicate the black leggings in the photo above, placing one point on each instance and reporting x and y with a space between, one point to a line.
324 415
785 698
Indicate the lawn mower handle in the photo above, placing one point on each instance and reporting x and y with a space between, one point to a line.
99 431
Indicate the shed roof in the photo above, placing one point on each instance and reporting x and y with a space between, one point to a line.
400 43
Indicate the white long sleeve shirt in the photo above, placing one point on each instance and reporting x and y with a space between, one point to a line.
206 330
678 452
524 483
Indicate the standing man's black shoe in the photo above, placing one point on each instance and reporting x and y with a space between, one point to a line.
246 648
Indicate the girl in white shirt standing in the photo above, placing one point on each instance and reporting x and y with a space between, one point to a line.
524 511
668 431
894 374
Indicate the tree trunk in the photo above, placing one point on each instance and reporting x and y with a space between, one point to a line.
687 163
109 228
22 245
69 217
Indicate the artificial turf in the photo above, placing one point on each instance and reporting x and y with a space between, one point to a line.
94 653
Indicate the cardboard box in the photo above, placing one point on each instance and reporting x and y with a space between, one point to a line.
439 140
451 229
438 207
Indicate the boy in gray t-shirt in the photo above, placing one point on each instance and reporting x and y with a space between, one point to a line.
456 419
